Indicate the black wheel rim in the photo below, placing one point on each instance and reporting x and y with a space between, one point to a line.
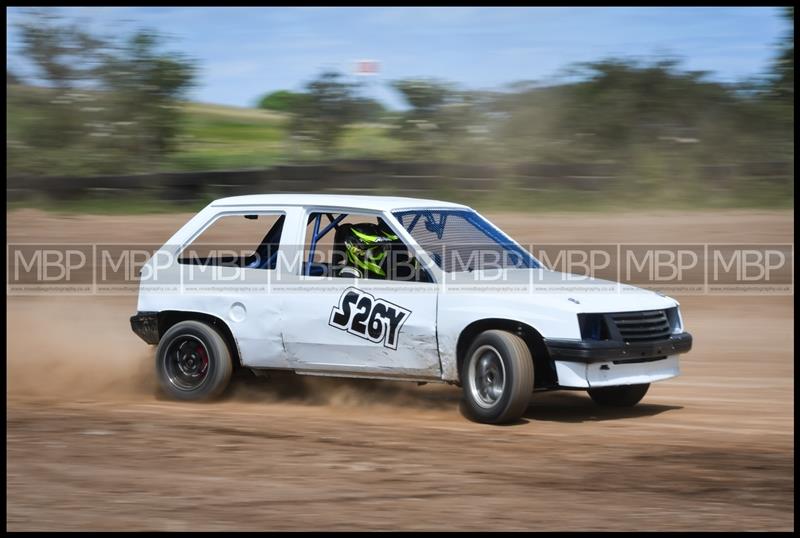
187 362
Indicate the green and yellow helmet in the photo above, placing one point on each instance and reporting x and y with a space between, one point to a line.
367 246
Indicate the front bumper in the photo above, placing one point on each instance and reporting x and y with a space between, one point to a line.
592 351
584 375
145 325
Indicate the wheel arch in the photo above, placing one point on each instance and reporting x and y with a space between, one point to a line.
544 369
168 318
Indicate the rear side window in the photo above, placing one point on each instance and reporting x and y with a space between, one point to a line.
241 240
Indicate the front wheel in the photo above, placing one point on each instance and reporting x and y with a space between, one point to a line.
497 377
622 396
193 361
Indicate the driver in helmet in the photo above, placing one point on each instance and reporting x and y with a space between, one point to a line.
366 249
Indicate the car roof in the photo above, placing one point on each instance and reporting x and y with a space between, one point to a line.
378 203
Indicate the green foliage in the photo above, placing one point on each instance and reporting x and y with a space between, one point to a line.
330 105
659 124
281 101
62 52
102 105
369 110
783 66
144 86
621 106
370 141
425 96
434 116
111 106
322 118
227 138
448 123
780 88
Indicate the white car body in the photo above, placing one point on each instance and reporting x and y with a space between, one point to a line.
283 319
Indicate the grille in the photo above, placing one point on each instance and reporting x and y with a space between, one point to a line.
643 326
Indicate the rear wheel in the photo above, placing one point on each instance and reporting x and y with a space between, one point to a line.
193 361
621 396
497 377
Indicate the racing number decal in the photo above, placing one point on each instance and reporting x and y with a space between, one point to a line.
365 316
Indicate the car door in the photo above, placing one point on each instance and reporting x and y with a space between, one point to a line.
358 326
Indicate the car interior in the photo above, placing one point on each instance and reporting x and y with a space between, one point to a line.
263 257
398 264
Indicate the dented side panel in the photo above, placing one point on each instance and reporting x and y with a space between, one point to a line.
243 301
253 318
362 326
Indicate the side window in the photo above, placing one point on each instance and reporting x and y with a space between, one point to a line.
240 240
459 240
357 246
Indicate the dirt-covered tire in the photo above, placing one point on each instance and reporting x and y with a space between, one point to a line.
193 361
621 396
497 377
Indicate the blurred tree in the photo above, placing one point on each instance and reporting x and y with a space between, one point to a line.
368 110
783 67
331 104
425 96
100 104
437 112
145 86
62 52
778 95
281 101
63 58
618 108
11 78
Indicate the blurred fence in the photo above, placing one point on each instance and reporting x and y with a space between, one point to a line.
372 177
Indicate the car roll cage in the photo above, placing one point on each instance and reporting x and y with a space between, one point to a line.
317 234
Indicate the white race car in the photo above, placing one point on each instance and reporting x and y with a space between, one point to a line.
393 288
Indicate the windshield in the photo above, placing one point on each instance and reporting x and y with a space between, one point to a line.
462 240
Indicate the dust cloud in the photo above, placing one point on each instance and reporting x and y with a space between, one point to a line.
82 348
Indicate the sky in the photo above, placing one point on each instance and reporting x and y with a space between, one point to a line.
246 52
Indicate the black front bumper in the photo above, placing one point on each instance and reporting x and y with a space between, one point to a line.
611 350
145 325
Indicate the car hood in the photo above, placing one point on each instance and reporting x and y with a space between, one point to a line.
564 291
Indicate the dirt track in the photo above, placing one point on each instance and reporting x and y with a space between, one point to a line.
92 446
